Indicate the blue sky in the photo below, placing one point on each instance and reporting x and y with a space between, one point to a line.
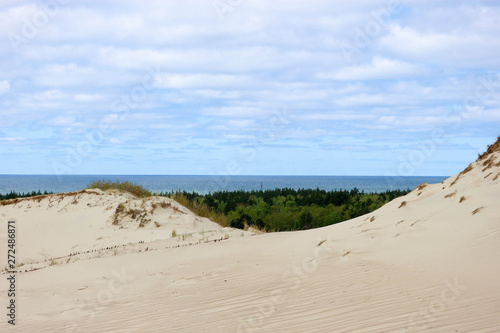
235 87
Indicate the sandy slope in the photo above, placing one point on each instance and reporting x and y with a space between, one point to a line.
424 262
81 225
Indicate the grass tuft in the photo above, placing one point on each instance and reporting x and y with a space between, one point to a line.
450 195
422 186
134 189
491 149
468 169
201 209
477 210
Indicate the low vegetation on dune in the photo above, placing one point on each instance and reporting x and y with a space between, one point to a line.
491 149
283 209
487 164
15 195
134 189
200 208
270 210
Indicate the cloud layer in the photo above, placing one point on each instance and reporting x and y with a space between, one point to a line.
192 87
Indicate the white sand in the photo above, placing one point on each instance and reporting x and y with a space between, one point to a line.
429 265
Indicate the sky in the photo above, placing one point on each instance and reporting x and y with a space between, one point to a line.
247 87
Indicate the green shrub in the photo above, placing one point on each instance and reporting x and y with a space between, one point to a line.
120 208
238 224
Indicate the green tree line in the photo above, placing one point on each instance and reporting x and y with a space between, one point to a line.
13 195
286 209
272 210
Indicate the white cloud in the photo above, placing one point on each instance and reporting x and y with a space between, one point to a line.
4 87
239 137
380 68
225 77
211 93
470 49
200 80
241 123
115 141
336 116
11 139
63 75
235 112
87 98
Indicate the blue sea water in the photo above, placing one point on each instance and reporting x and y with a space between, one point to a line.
205 184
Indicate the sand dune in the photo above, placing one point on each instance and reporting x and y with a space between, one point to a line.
92 224
429 261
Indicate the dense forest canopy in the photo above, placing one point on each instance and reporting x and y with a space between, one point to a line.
285 209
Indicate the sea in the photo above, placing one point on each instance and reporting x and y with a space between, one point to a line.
206 184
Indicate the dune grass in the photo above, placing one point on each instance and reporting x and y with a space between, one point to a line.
490 150
201 209
134 189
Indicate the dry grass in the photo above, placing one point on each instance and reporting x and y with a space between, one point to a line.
202 210
120 208
139 215
253 228
403 204
422 186
162 204
450 195
9 202
491 149
177 209
134 189
496 177
488 163
372 219
143 222
477 210
39 198
469 168
134 213
462 199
